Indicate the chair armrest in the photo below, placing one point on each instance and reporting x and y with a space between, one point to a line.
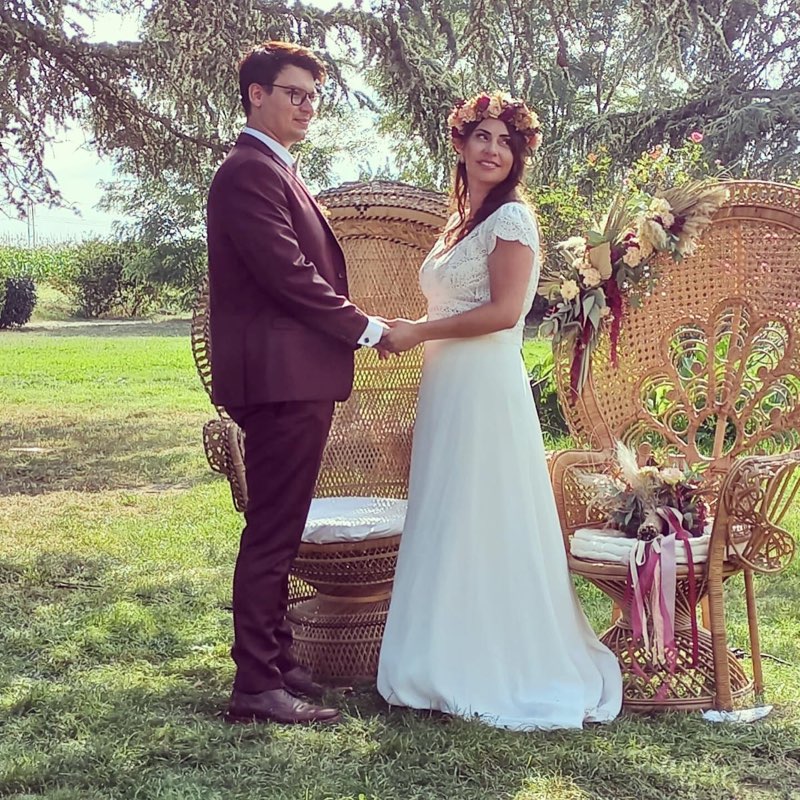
573 498
224 445
754 499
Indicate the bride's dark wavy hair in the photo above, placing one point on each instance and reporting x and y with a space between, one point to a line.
504 192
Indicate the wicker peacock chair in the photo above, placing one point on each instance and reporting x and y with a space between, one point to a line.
339 592
709 370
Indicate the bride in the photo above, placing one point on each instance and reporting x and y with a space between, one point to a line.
484 621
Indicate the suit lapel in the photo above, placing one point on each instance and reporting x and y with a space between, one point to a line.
299 186
322 218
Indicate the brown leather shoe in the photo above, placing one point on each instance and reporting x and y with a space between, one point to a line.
298 682
276 705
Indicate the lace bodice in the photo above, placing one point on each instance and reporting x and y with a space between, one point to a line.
458 280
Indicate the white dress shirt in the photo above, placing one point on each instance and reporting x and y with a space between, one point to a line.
375 328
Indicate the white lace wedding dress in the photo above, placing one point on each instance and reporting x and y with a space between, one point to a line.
484 620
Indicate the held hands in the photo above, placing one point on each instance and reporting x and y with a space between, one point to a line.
403 334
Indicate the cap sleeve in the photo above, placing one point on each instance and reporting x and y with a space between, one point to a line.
513 222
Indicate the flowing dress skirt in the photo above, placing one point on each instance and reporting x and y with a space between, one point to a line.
484 620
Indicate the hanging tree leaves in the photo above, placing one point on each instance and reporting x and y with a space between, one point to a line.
622 73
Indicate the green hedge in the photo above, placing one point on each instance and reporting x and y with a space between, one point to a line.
110 277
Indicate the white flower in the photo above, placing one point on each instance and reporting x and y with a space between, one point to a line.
570 290
633 255
659 207
591 277
671 475
651 472
650 232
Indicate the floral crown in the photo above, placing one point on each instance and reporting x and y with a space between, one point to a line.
499 105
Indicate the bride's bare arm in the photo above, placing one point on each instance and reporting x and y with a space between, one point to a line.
510 265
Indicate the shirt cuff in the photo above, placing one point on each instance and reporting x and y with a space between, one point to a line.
372 333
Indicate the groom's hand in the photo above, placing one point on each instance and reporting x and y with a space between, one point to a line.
382 347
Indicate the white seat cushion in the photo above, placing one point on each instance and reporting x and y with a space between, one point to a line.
353 519
593 544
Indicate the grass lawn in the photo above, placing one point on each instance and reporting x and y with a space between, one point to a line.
116 551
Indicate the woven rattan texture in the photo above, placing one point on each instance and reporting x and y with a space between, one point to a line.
369 448
709 364
338 632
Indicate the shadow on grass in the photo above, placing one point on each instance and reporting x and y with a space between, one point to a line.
110 328
116 685
89 455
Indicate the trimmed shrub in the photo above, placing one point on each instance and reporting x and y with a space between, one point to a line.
17 301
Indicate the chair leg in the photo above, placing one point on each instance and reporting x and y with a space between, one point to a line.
705 613
755 640
719 643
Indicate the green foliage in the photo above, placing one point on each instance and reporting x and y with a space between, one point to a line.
665 166
539 362
172 269
39 263
98 280
20 269
605 71
17 301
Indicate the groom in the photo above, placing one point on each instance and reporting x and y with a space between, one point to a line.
283 334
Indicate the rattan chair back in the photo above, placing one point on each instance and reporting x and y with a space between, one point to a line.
709 364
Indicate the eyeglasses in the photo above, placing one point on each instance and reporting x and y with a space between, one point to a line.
298 96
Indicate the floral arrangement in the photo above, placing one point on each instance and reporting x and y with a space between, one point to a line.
660 507
499 105
642 502
608 269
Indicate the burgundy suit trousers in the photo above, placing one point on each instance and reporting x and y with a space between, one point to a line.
283 451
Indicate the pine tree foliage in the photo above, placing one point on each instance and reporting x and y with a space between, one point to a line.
627 74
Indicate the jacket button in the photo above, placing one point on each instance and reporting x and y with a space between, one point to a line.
340 275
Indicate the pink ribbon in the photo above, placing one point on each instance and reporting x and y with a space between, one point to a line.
675 521
652 579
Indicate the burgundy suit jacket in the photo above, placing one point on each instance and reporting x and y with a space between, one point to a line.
282 327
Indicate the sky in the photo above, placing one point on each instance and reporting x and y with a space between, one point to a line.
79 170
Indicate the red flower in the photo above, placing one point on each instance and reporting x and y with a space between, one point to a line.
696 137
677 226
482 103
507 114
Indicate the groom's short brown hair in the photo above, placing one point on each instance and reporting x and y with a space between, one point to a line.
263 63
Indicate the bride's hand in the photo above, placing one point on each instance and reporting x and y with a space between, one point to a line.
403 334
